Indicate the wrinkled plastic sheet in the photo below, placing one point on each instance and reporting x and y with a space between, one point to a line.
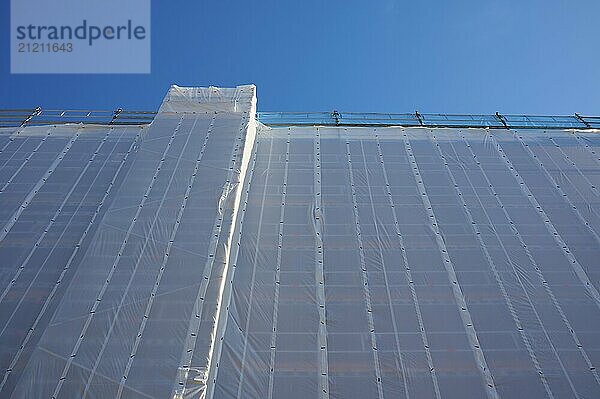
125 304
200 257
416 263
52 179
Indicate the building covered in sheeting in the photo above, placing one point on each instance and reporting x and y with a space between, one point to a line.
211 254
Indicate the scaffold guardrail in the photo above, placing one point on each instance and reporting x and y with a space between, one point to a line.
39 116
497 120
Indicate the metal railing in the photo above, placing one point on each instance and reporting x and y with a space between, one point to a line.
39 116
496 120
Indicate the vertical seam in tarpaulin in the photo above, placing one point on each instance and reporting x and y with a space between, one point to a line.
254 265
104 288
402 369
577 268
15 216
572 162
11 139
539 273
581 140
93 370
16 150
163 266
550 226
43 235
248 125
68 263
83 367
273 342
363 266
197 312
492 265
557 186
52 220
409 279
147 240
457 291
221 321
185 363
319 272
24 163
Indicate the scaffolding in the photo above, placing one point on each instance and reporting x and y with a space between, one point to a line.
40 116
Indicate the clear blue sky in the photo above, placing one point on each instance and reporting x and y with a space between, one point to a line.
536 57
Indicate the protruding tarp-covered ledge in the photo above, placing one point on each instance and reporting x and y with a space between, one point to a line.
137 317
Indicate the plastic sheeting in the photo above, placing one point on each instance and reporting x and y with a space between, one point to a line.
117 297
416 263
52 181
203 257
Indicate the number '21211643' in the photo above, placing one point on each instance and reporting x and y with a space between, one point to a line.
45 47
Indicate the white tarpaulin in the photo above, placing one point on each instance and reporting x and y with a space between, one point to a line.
204 256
